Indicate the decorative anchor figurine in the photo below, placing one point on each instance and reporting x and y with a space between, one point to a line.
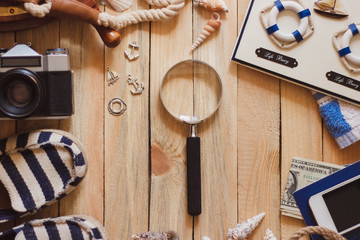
139 87
112 77
131 56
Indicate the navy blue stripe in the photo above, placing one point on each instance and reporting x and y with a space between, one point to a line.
57 162
18 181
76 181
61 196
304 13
52 230
279 5
96 233
3 144
297 36
8 235
318 95
22 140
272 29
66 141
79 160
75 230
353 29
39 174
344 51
29 232
44 137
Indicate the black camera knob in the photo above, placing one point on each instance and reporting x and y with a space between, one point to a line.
54 51
3 50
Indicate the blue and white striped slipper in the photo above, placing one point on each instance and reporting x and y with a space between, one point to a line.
58 228
39 168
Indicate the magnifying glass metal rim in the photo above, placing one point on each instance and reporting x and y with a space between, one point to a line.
192 122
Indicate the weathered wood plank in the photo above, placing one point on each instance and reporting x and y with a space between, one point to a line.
219 133
301 135
127 148
168 201
87 61
7 128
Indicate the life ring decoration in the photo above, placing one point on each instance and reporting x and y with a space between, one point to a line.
281 38
349 59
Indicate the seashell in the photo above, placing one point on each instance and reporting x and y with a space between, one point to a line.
269 235
169 235
244 229
213 5
120 5
211 26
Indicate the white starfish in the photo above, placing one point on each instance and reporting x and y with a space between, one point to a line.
244 229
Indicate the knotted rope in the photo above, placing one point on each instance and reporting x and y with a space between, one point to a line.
326 233
39 11
169 8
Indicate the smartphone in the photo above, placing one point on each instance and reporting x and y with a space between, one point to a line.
338 208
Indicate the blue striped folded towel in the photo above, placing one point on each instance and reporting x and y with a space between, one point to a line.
341 118
59 228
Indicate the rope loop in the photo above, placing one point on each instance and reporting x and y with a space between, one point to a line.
39 11
325 232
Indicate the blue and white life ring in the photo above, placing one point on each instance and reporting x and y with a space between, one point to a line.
345 45
298 34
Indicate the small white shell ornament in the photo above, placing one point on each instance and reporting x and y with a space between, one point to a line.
120 5
213 5
269 235
244 229
211 26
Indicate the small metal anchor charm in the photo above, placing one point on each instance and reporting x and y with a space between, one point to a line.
112 76
139 87
131 56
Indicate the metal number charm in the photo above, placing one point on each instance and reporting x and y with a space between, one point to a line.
139 87
112 76
131 55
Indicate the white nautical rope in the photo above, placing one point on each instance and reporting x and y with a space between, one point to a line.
39 11
169 9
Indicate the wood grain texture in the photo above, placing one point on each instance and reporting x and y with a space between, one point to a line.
87 124
137 161
219 133
301 135
127 163
168 199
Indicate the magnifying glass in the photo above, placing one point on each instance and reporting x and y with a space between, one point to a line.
191 91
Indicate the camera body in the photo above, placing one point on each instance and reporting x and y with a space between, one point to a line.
34 85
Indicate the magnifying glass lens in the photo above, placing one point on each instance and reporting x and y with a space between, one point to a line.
191 91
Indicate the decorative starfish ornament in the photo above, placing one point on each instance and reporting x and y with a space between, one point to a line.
244 229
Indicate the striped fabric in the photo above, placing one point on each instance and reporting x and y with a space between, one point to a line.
341 118
59 228
39 168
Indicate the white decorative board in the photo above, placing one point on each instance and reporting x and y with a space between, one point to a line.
313 62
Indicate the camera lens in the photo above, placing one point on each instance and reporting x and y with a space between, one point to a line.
20 93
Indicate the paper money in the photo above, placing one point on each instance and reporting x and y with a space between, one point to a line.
302 173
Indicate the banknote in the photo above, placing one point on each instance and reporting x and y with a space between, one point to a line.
302 173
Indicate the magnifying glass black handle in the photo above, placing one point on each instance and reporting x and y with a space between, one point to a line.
193 175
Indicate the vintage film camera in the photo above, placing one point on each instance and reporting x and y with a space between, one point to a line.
35 86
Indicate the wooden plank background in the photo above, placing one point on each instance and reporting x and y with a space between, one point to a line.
137 161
